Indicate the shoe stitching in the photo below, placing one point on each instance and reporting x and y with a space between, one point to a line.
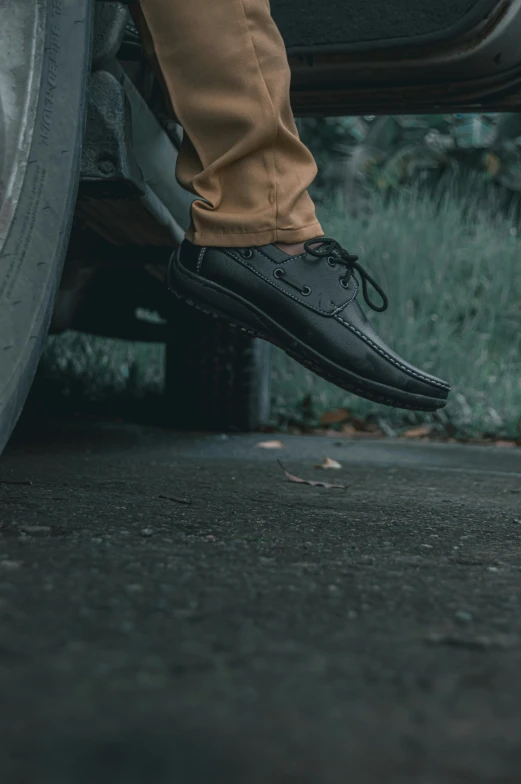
262 253
364 391
367 340
391 359
283 261
287 294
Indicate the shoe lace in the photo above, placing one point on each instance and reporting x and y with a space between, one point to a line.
327 248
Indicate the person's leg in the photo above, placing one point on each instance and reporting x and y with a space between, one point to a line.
226 69
225 66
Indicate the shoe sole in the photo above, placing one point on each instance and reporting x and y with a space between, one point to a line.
210 297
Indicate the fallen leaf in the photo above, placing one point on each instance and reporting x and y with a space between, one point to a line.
173 498
311 482
270 445
417 432
505 444
336 416
329 463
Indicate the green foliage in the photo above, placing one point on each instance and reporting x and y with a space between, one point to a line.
363 155
454 285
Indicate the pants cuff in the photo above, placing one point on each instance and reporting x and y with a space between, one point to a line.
268 237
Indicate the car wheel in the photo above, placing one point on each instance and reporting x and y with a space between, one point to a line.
44 65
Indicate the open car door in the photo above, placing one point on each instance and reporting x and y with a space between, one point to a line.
402 56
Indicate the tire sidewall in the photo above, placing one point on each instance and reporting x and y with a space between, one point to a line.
32 258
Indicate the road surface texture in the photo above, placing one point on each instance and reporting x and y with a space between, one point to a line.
267 631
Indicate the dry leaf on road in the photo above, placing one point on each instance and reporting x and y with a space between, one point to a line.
335 417
417 432
311 482
270 445
329 463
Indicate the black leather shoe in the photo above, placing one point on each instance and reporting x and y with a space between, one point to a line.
307 305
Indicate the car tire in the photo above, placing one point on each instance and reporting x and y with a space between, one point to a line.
37 187
217 378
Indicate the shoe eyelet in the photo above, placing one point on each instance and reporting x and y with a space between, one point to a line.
278 273
306 291
331 261
247 253
344 283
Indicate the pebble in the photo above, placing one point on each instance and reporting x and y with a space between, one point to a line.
147 532
463 616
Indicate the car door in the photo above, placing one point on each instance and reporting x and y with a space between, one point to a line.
401 56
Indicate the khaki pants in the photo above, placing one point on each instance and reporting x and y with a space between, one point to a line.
226 70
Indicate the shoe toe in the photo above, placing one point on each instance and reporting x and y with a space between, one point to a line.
383 364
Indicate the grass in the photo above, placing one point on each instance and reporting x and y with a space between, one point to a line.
454 285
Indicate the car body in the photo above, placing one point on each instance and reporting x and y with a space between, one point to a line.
402 57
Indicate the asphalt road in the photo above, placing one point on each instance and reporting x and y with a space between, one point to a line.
266 631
